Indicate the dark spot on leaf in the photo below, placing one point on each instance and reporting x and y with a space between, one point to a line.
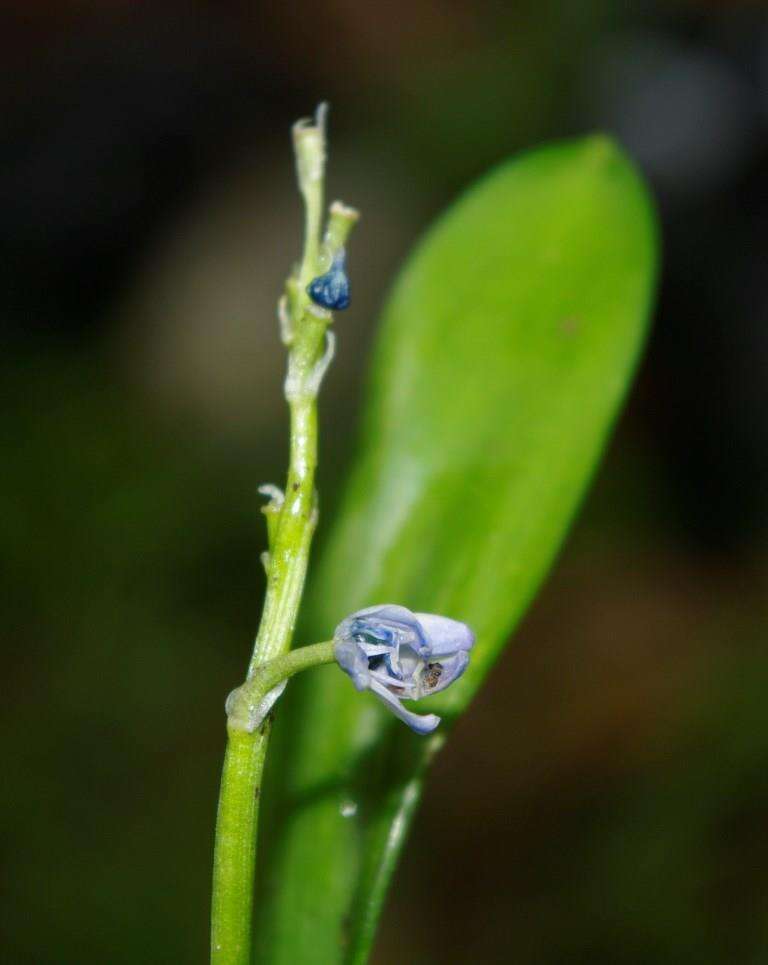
345 933
570 326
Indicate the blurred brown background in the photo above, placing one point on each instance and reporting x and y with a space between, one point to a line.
606 799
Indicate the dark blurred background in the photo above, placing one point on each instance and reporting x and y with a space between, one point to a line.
606 799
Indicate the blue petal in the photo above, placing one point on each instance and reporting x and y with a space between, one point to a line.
352 659
389 623
391 613
444 635
331 290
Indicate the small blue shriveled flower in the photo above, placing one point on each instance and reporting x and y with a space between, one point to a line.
400 655
331 290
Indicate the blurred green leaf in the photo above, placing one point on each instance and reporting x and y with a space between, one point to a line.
506 349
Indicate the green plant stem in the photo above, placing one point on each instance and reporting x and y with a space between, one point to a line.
235 851
289 553
237 821
291 524
270 674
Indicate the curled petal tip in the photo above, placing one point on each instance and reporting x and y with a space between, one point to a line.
420 723
423 723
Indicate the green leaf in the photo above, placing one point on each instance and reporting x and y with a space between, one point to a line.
505 351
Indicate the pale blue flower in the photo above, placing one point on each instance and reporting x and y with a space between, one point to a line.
400 655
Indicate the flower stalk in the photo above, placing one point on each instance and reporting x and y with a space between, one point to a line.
291 519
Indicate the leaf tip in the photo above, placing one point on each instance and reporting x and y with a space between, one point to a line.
602 148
